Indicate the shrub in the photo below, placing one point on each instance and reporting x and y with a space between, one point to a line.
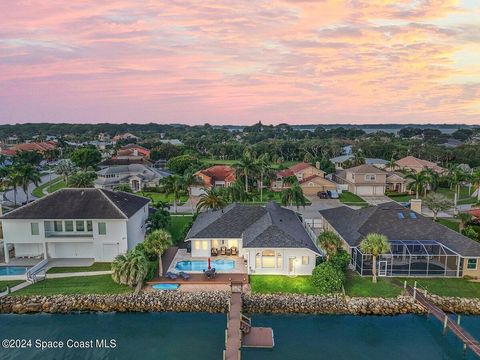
327 278
340 260
395 194
152 270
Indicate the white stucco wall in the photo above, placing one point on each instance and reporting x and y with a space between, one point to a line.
136 227
203 251
287 253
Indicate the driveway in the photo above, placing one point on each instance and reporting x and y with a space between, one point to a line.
312 211
376 200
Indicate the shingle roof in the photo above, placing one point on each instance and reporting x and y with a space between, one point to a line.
353 225
81 204
260 227
365 169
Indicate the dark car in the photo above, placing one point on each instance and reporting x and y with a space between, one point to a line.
322 195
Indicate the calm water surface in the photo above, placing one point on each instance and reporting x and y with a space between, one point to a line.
171 336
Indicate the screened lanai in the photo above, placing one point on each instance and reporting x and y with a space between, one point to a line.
411 258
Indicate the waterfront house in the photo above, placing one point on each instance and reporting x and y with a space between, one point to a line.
76 223
310 178
271 239
419 245
214 176
368 180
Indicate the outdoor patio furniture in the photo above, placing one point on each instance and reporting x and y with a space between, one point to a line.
229 252
184 275
210 274
171 276
234 251
223 250
214 252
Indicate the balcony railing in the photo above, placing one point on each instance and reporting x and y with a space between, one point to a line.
52 234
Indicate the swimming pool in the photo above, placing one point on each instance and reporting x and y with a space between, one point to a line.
12 270
200 265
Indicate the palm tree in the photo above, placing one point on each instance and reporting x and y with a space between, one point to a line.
65 168
330 242
157 242
13 179
236 192
263 165
82 179
392 164
418 183
245 166
475 178
174 185
190 179
455 178
433 179
293 195
29 175
130 269
211 200
375 245
358 158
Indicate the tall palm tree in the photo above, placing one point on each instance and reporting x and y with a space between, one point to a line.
293 195
190 179
130 269
375 245
330 242
65 168
13 179
418 183
263 165
211 200
246 166
29 175
174 185
392 164
236 192
157 242
456 177
433 180
475 178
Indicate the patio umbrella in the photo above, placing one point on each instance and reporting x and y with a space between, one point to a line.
209 267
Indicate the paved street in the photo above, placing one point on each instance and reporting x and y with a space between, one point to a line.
21 196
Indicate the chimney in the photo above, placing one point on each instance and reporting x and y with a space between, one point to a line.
416 205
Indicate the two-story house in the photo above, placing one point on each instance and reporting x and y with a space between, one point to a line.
311 179
368 180
76 223
214 176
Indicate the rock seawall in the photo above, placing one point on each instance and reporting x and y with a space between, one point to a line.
217 302
212 302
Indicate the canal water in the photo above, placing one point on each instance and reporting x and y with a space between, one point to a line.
172 336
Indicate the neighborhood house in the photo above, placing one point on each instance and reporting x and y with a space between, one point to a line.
76 223
214 176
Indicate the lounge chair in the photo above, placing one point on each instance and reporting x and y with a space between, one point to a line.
184 275
234 251
171 276
214 252
223 250
229 252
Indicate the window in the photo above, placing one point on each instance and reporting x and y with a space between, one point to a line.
472 264
80 226
69 226
279 261
102 228
370 177
305 260
89 226
197 245
58 226
268 259
34 228
204 245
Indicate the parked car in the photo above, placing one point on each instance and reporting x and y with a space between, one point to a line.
334 194
322 195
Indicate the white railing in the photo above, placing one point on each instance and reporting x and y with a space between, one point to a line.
33 273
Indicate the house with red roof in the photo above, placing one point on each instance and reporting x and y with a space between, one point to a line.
40 147
214 176
132 150
311 179
416 165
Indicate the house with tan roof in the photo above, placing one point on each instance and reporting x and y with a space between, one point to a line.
416 165
368 180
40 147
214 176
311 179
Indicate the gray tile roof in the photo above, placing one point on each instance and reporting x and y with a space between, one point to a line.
81 204
353 225
260 227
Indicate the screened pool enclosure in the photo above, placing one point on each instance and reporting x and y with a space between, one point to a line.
411 258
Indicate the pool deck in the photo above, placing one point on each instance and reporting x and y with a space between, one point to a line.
196 279
183 255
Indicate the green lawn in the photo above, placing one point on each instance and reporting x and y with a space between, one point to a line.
357 286
449 287
11 283
268 195
98 284
177 226
402 198
98 266
464 198
57 186
451 224
271 284
38 191
156 197
349 198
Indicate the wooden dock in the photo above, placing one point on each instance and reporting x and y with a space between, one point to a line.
240 332
220 278
467 339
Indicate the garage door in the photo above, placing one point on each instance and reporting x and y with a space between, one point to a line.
110 251
73 250
365 190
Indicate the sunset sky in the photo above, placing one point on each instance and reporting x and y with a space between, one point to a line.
238 62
